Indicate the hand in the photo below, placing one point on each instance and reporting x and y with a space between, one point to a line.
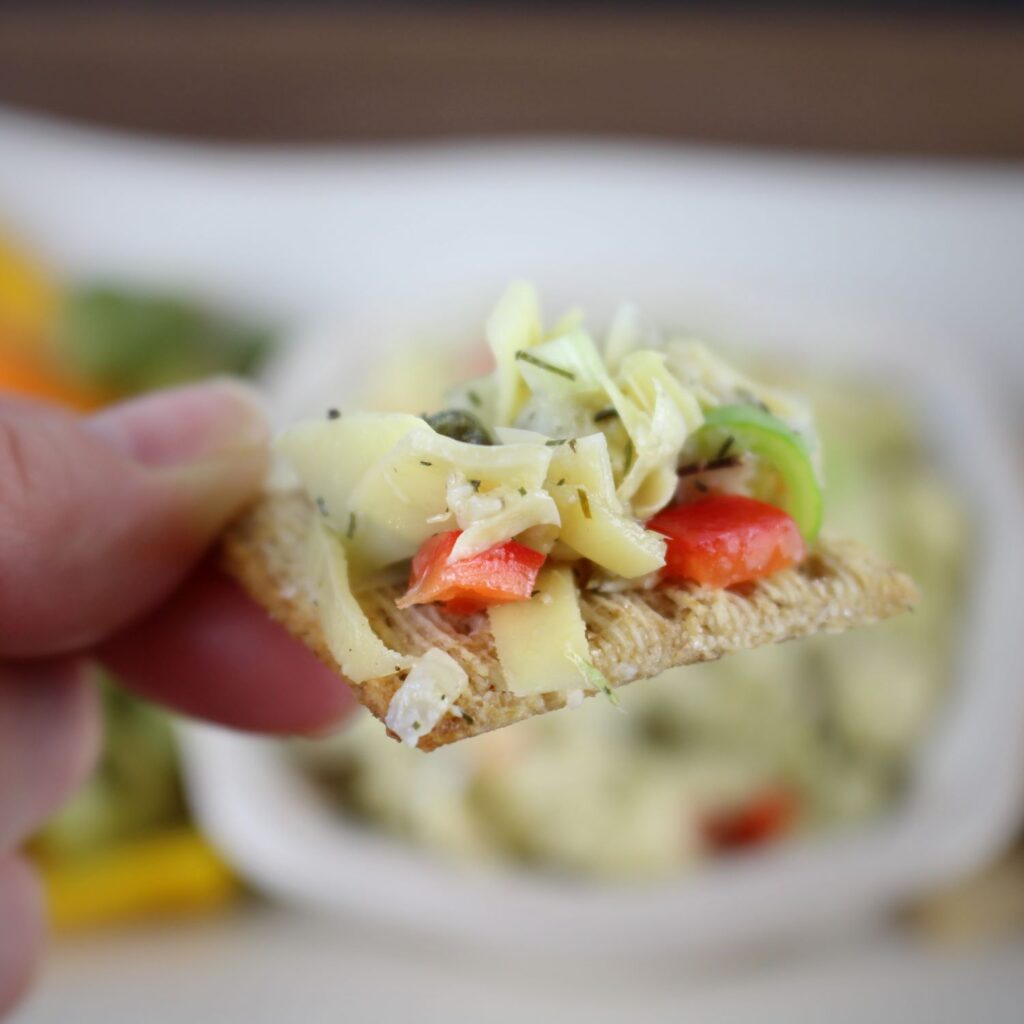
103 522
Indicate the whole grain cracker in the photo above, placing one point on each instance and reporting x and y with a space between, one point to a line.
632 634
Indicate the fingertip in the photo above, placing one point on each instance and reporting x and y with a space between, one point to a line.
217 417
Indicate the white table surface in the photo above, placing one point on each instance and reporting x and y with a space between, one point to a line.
268 965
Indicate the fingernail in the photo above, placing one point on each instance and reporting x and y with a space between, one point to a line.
183 425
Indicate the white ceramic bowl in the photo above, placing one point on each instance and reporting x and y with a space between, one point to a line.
964 801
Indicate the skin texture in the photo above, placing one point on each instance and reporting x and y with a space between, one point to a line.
104 523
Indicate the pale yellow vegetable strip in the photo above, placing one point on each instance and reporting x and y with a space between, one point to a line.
595 525
356 647
554 615
170 873
331 456
513 326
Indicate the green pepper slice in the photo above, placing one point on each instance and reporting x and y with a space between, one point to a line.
787 478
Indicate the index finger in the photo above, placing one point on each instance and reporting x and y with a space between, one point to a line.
211 653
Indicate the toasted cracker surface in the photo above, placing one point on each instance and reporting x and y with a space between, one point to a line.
633 634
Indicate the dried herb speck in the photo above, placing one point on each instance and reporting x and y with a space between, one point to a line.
584 502
529 357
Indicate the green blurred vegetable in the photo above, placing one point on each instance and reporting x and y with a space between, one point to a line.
125 341
134 789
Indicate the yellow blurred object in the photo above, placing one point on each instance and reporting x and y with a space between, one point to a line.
28 298
167 875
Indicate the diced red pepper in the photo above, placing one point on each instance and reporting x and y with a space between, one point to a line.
505 572
727 539
761 819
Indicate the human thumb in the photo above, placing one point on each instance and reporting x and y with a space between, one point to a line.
100 518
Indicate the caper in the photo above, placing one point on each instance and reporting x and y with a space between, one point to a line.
460 425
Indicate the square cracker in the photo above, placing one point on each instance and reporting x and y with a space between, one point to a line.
633 634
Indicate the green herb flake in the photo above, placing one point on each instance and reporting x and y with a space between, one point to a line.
629 455
584 502
423 462
322 505
726 446
474 398
593 676
351 531
522 491
560 482
555 442
572 445
475 484
529 357
605 414
416 727
468 718
334 414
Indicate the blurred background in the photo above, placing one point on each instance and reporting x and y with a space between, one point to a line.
832 191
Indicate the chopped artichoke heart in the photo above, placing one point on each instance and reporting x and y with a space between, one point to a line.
570 384
607 535
624 335
657 443
568 366
655 492
533 637
514 326
715 382
403 500
557 415
361 654
330 457
434 684
643 373
490 517
517 435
